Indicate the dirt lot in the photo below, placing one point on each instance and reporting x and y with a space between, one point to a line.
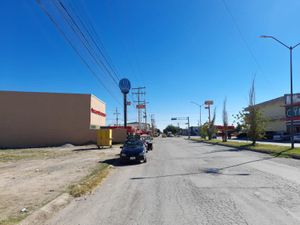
29 178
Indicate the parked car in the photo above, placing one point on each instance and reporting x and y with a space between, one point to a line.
163 135
281 136
297 137
148 141
133 150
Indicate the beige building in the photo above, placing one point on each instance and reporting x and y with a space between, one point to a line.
274 113
30 119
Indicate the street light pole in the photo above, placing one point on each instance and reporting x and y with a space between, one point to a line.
200 107
292 98
188 123
291 48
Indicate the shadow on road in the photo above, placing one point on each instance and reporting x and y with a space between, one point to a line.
117 163
214 171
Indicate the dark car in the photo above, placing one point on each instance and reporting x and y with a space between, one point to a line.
133 151
148 140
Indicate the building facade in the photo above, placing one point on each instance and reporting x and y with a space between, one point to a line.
30 119
274 114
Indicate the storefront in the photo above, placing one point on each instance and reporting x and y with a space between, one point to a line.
292 112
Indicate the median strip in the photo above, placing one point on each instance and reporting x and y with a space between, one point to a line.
275 150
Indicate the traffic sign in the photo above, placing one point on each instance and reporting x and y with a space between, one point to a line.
124 85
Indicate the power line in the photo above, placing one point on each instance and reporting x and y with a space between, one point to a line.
83 38
75 49
91 31
241 34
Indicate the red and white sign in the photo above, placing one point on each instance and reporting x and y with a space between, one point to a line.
140 106
98 112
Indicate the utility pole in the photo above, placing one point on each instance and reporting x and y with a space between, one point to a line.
145 114
139 92
152 124
117 117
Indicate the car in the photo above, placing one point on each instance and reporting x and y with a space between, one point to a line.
281 136
297 137
133 150
148 141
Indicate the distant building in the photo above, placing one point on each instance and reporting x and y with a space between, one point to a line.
135 125
278 113
31 119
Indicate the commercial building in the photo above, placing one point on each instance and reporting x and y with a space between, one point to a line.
30 119
273 112
278 113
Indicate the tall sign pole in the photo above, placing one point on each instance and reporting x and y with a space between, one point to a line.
207 104
125 86
125 110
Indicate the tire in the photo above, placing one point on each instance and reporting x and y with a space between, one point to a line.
145 159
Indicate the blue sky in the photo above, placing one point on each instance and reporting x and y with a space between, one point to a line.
180 50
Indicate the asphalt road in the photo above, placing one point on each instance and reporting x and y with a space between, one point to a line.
185 182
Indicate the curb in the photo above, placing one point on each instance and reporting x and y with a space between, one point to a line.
41 215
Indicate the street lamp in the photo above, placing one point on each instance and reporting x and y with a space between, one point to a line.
291 81
200 106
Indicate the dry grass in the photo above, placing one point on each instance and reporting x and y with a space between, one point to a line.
90 182
15 154
13 219
276 150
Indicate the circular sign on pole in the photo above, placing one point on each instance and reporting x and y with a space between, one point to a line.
124 85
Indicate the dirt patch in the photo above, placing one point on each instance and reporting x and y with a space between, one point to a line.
30 178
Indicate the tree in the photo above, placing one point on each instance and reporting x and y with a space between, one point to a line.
203 131
211 131
225 121
251 119
238 127
171 128
254 118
